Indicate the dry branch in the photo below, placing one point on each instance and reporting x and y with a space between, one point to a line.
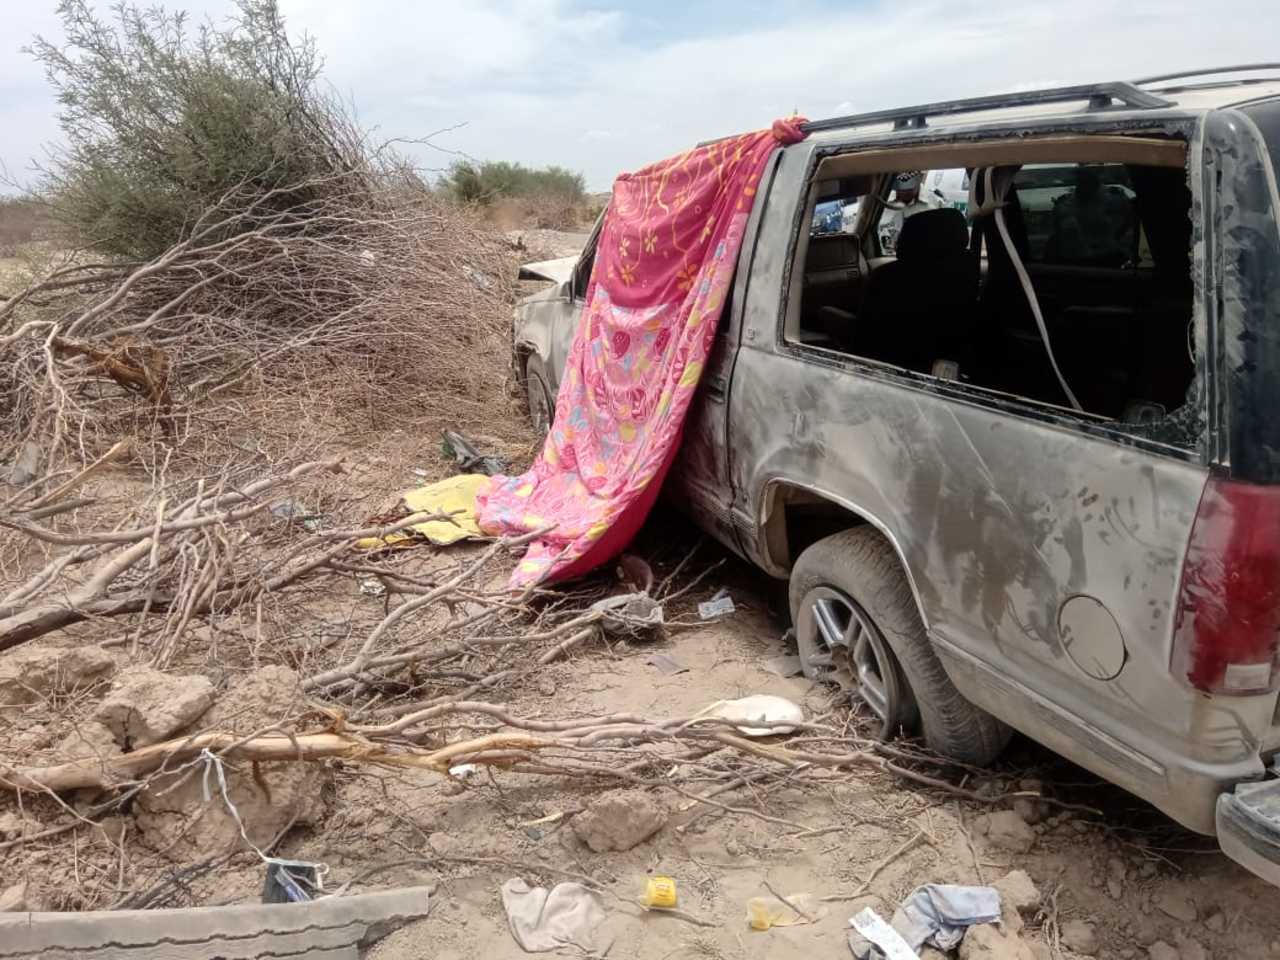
585 746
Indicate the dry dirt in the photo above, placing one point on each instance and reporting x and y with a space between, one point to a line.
855 822
1127 872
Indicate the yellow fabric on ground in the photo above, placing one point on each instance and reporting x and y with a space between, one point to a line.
455 496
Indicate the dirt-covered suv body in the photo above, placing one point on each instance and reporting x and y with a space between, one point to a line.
1019 476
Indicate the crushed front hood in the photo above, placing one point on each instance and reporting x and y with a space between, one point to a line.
557 271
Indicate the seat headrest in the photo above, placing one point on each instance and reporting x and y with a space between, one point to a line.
988 187
933 234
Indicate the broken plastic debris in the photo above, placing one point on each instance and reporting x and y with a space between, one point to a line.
291 881
798 908
464 771
718 607
633 614
419 472
372 587
873 926
293 510
667 665
468 457
779 712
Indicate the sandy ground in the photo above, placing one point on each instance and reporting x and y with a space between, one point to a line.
856 821
1127 870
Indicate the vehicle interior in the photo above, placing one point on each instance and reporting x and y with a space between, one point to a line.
1098 246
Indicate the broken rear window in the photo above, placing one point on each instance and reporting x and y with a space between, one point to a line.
1106 250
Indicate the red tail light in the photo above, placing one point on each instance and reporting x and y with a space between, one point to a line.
1227 626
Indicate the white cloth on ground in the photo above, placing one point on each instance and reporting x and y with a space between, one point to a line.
543 919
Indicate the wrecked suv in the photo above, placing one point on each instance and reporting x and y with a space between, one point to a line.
1023 474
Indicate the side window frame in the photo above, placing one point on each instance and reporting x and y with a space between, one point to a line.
976 395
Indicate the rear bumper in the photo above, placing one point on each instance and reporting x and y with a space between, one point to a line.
1185 787
1248 822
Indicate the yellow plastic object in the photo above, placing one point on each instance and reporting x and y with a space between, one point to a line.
659 892
455 496
758 913
766 912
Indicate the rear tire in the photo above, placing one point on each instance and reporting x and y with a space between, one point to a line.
860 566
542 404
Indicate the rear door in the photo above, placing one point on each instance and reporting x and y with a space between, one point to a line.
1045 548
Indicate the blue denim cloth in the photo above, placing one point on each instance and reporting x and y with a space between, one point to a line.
938 914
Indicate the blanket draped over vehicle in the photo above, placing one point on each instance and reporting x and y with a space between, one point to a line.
663 267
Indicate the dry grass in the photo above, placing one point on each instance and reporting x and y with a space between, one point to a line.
380 306
356 327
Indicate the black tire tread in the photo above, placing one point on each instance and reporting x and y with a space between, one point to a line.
535 378
861 562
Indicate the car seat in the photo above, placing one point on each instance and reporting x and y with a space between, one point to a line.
920 308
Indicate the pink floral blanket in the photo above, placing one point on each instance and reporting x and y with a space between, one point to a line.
663 267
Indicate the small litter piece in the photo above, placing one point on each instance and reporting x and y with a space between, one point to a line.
787 665
716 607
630 614
293 510
542 919
291 881
938 914
760 708
764 913
26 465
666 665
549 818
372 587
478 278
872 927
659 893
464 771
469 458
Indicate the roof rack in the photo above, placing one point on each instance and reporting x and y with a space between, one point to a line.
1099 95
1189 74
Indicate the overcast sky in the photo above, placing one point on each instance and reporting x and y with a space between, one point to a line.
602 87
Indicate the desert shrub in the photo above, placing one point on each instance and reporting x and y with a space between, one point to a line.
160 120
470 182
273 275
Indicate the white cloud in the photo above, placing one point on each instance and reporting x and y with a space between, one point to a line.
550 81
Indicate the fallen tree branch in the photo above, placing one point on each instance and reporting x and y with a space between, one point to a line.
584 740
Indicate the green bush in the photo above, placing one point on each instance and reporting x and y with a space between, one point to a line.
470 182
160 120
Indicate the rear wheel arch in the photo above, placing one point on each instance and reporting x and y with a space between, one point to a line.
796 516
857 623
